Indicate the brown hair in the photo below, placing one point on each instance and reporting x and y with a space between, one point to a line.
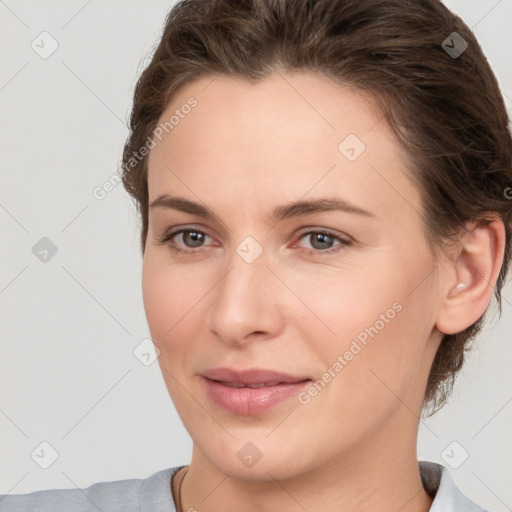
446 109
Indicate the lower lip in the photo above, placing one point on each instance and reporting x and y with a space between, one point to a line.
250 401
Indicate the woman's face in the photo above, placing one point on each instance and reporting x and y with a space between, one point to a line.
339 297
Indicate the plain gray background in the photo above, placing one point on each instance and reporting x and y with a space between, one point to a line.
68 374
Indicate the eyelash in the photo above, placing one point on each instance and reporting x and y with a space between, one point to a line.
169 236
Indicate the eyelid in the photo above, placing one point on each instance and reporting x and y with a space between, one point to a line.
172 232
326 231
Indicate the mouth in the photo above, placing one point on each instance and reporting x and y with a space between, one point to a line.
255 386
250 392
258 377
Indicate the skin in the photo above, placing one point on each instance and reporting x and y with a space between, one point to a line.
242 151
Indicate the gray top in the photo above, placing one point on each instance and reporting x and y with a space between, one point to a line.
153 494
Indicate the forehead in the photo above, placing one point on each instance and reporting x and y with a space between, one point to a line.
286 136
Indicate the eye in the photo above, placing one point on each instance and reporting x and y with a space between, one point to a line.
191 238
193 241
322 242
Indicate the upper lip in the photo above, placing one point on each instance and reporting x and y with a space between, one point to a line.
251 376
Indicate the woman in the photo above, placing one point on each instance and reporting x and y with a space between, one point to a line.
322 190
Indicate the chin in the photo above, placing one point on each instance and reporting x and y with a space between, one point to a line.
264 462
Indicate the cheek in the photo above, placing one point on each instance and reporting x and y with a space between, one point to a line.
373 330
339 304
169 294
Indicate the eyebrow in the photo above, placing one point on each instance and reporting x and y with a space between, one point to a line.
286 211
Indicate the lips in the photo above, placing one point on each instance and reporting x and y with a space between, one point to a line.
250 392
252 386
251 378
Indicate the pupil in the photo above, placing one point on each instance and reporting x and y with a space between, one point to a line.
196 238
322 239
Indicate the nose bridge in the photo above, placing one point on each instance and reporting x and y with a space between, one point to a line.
243 301
241 280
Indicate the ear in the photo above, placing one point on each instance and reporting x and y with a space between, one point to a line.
469 276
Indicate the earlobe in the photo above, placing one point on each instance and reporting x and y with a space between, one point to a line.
469 279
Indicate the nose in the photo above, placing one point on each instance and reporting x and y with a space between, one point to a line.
245 304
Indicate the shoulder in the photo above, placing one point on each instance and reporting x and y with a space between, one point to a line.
151 494
439 483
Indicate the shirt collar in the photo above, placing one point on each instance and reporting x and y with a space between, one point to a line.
439 483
